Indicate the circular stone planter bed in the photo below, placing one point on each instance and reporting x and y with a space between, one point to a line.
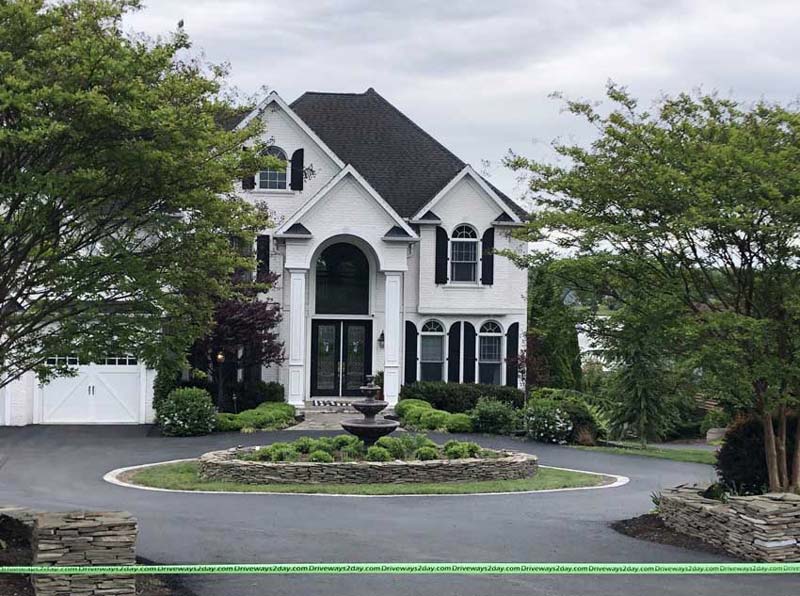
228 466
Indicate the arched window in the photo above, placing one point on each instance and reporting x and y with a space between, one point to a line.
490 354
431 351
271 179
464 254
342 281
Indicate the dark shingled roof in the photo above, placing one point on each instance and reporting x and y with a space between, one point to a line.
406 165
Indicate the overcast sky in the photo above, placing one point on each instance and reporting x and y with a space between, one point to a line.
477 74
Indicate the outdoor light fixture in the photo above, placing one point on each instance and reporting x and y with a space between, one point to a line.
381 339
220 357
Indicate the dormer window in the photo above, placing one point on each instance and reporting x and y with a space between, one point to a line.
464 254
271 179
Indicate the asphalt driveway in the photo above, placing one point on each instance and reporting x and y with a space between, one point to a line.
62 468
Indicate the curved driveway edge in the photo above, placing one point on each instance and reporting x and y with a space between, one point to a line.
113 477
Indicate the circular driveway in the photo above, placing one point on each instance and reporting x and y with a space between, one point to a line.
62 468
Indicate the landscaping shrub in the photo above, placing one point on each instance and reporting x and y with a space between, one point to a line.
426 453
166 380
376 453
187 412
585 428
304 444
433 419
283 452
414 415
352 452
342 441
460 397
228 423
741 460
251 394
493 416
554 394
458 423
267 416
403 406
320 456
461 449
325 444
547 422
393 446
412 442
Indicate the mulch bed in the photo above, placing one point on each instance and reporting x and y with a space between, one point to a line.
15 550
650 527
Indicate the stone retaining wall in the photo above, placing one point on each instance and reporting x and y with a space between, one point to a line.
226 467
80 538
760 528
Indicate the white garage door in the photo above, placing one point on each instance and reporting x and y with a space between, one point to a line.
108 392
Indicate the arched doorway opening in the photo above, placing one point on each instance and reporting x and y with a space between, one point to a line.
341 333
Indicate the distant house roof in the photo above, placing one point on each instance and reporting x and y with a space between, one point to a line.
404 164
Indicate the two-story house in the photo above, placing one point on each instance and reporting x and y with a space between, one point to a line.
384 251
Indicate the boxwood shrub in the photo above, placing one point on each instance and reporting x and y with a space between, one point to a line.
458 423
493 416
426 453
404 405
267 416
433 419
376 453
460 397
187 412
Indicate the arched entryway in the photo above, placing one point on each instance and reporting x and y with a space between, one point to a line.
341 331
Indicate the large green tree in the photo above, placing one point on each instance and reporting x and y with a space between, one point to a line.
116 202
694 203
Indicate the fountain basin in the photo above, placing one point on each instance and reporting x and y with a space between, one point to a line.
370 431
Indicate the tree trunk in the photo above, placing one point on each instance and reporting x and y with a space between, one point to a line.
760 387
780 449
795 481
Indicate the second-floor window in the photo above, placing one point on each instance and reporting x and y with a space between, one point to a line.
464 254
273 179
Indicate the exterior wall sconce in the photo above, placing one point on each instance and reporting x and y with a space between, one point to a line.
381 339
220 357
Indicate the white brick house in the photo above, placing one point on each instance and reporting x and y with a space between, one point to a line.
382 198
383 248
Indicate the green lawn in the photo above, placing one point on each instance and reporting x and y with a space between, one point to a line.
695 456
184 476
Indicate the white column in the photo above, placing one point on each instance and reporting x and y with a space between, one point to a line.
392 335
297 336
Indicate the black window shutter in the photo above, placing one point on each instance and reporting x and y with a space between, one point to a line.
454 352
469 352
411 353
487 259
297 170
248 182
512 355
262 258
441 256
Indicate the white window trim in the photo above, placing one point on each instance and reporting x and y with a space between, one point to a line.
478 257
502 335
445 347
288 187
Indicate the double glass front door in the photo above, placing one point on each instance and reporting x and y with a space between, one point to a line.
341 356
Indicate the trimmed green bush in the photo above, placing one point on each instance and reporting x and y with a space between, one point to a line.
406 404
433 419
458 423
460 397
493 416
412 442
320 456
426 453
413 416
376 453
342 441
741 462
456 451
228 423
283 452
187 412
547 422
304 444
393 446
352 452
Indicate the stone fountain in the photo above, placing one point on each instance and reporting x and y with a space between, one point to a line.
369 429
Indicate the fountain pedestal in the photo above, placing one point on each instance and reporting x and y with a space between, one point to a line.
369 429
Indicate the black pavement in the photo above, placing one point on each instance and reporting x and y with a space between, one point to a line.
54 467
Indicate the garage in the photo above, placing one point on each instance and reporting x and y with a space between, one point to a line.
111 391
